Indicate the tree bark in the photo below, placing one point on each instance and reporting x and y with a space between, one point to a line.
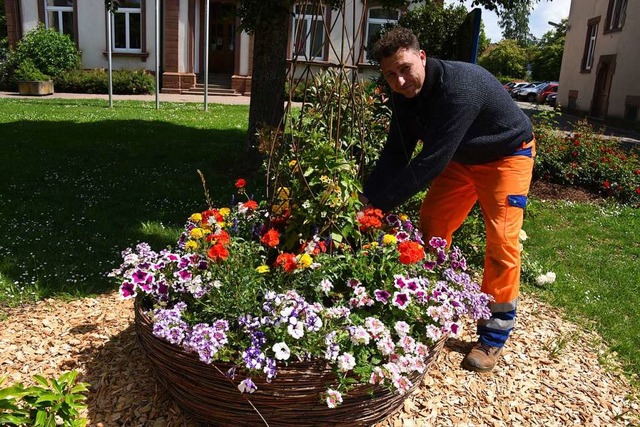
269 76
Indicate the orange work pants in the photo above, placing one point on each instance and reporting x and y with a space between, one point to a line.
500 187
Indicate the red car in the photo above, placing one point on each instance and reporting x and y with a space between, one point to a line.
551 88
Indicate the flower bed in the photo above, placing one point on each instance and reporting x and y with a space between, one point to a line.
230 293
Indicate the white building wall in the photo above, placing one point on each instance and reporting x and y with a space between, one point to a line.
624 44
29 11
183 37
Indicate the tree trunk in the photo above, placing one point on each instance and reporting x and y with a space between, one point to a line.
268 78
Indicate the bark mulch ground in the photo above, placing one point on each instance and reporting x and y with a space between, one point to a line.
550 374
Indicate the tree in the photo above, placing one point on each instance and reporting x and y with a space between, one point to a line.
268 21
436 28
515 23
3 21
507 58
547 58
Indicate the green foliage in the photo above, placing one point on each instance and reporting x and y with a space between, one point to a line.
27 71
97 81
51 52
55 402
321 158
515 23
507 58
547 54
589 160
436 27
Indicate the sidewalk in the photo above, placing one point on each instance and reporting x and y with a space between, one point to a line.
163 97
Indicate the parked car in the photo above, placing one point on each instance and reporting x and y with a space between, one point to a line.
530 92
510 85
551 99
517 87
551 88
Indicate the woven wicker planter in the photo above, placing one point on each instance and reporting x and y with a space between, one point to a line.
292 399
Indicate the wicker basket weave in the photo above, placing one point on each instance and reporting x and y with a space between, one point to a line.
291 399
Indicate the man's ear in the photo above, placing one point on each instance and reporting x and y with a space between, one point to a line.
423 57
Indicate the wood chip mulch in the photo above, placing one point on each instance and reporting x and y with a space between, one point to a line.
550 374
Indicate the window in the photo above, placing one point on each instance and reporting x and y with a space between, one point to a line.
590 45
127 27
59 16
376 19
616 14
308 31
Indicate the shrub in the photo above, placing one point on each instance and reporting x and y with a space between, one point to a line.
51 52
588 160
125 82
27 71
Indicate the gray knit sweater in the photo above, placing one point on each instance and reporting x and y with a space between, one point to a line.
462 113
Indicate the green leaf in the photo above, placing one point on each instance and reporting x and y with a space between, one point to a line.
336 237
18 420
41 380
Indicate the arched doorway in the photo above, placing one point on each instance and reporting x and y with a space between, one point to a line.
602 86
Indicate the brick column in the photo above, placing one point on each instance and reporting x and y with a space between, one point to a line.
173 81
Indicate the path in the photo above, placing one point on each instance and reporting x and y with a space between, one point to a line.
550 375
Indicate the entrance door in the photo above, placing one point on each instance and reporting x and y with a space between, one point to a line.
222 37
602 87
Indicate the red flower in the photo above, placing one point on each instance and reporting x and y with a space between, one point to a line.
637 171
271 238
211 213
638 190
370 218
221 238
287 261
218 252
606 184
240 183
251 204
410 252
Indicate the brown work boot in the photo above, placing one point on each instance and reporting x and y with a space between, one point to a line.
481 358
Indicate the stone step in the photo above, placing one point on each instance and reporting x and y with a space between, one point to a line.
211 91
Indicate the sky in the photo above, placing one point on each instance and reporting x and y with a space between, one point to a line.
543 12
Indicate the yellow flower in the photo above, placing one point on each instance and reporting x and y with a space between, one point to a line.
224 211
196 233
305 261
191 245
324 179
280 207
374 244
389 239
403 217
282 193
262 269
196 217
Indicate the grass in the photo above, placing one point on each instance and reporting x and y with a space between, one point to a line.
79 182
595 252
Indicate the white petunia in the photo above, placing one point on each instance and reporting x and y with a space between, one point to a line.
281 351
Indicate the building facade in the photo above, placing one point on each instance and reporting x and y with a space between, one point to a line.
316 36
601 59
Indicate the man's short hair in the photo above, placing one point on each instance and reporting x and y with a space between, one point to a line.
393 40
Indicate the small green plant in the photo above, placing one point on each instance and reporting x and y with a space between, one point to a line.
57 402
27 71
51 52
557 345
125 81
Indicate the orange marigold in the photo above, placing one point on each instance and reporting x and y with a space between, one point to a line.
220 238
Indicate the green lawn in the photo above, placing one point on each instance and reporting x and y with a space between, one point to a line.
595 252
79 182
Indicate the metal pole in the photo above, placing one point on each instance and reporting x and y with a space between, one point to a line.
206 55
157 48
109 57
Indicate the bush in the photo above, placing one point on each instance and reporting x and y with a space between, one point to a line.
27 71
51 52
589 160
125 82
